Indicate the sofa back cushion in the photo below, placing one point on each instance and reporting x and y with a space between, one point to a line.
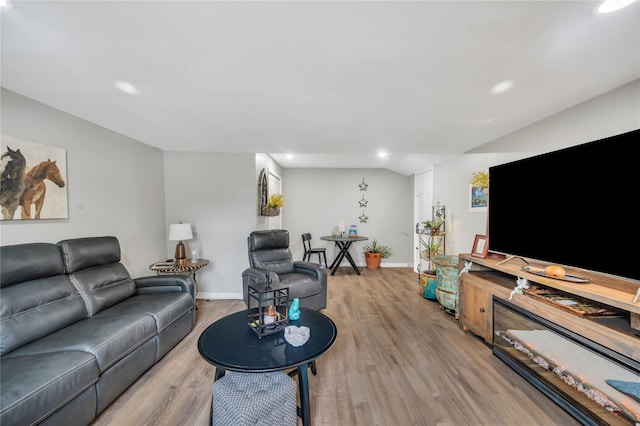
93 264
270 250
37 297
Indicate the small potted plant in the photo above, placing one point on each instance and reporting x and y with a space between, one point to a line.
374 254
433 225
273 206
430 249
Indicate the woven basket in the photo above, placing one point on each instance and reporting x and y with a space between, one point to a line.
270 211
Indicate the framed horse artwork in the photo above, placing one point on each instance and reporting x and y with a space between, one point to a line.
34 180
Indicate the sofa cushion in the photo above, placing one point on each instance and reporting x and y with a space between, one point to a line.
40 303
164 308
26 262
83 253
94 269
270 250
109 339
103 286
35 386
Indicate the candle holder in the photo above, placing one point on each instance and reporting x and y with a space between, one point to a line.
272 304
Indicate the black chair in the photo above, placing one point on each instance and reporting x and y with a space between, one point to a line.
308 250
269 254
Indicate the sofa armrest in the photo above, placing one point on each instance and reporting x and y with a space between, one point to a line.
259 275
310 268
166 283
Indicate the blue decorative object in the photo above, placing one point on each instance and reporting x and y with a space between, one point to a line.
630 388
294 310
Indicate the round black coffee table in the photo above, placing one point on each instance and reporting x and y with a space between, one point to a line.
229 344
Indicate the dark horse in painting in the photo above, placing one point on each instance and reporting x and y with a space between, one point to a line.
12 186
35 188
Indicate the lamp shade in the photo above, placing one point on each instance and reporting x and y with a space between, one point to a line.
180 232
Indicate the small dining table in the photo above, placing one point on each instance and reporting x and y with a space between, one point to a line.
343 244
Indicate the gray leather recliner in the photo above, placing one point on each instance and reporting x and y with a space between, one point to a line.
269 255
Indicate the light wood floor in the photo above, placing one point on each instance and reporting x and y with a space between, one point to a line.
398 360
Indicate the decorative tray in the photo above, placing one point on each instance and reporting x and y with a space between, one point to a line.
570 303
542 273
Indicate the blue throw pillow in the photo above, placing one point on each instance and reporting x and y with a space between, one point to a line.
630 388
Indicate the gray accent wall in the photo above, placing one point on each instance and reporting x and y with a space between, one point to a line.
115 183
215 192
316 199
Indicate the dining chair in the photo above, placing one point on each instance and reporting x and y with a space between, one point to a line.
308 250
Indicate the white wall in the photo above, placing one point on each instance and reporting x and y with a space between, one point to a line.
612 113
215 192
316 199
115 184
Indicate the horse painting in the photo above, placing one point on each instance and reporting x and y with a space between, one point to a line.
35 188
12 186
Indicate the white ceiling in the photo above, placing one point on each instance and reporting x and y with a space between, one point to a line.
330 81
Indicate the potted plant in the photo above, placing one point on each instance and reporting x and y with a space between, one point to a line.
274 203
375 252
434 225
430 248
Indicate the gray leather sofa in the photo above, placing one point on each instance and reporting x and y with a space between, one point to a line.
269 254
76 330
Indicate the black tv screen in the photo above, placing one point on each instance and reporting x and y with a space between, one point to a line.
575 207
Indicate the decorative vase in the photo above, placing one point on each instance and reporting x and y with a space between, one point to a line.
373 260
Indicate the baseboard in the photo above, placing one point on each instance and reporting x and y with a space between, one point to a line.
219 296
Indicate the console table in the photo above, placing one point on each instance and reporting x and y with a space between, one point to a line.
599 317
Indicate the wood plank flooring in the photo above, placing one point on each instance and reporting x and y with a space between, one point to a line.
399 359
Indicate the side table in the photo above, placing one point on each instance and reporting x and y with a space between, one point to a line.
187 268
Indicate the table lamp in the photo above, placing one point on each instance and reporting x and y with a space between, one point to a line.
179 232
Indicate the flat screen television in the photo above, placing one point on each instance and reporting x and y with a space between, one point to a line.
574 207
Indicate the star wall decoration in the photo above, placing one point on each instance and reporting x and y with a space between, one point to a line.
363 202
363 186
363 218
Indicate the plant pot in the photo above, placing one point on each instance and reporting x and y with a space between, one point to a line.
373 260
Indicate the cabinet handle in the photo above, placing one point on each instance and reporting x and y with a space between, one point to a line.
481 309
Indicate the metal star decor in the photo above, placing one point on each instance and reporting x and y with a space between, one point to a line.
363 186
363 218
363 202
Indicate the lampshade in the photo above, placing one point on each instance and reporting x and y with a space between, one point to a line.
180 232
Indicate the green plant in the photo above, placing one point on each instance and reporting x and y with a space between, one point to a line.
433 223
385 251
430 249
479 179
431 246
275 200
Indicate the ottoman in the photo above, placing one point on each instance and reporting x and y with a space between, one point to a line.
242 399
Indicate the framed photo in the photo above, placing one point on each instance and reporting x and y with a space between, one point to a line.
480 246
478 199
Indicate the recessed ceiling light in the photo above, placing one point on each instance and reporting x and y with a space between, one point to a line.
382 154
501 87
289 156
126 87
3 3
613 5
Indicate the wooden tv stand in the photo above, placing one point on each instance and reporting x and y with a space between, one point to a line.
488 278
